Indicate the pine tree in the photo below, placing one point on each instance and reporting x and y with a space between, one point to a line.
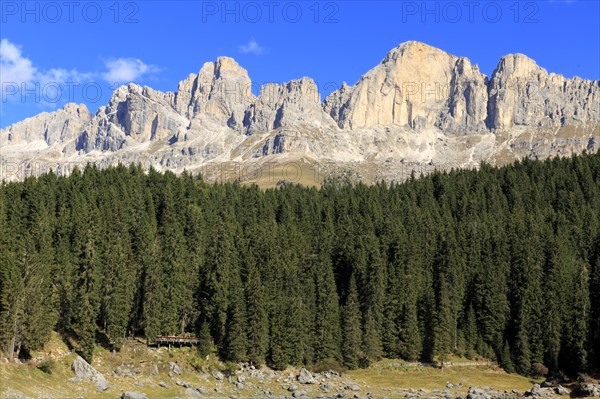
443 342
594 336
235 341
11 304
84 315
119 276
36 260
221 262
351 328
205 347
506 359
258 324
374 301
155 293
470 332
522 353
178 304
327 318
11 288
410 339
577 348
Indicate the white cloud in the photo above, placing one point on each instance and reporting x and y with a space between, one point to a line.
17 69
14 68
252 47
125 70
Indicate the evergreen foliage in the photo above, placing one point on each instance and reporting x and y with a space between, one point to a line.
498 262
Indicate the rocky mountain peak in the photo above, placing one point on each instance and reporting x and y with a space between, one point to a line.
414 49
522 93
419 103
297 101
517 66
228 68
411 87
77 110
221 91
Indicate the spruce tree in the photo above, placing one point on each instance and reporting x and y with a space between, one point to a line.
83 324
351 328
577 346
327 318
506 359
235 341
256 312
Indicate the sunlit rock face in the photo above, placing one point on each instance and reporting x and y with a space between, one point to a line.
419 105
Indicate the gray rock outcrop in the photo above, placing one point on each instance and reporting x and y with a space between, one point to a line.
522 93
306 377
415 85
287 104
586 390
175 368
222 90
133 395
85 371
419 105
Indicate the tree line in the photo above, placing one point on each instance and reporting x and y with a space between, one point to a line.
500 262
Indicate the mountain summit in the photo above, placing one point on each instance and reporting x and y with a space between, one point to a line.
419 105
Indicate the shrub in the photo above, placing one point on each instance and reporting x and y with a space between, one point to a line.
198 364
47 366
229 368
328 364
364 362
539 370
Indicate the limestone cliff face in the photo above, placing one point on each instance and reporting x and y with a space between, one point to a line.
48 128
221 90
417 86
420 104
522 93
133 115
287 104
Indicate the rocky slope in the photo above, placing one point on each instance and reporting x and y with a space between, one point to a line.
419 109
138 372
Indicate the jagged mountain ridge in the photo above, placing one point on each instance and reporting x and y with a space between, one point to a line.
420 105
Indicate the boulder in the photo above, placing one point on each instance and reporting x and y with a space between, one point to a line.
123 372
353 387
218 375
133 395
85 371
478 393
562 391
586 390
539 392
306 377
192 393
175 368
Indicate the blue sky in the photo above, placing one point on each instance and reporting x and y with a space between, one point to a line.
79 51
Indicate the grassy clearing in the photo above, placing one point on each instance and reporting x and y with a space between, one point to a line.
291 172
386 379
382 378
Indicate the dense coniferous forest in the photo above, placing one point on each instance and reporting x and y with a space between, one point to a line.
500 262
